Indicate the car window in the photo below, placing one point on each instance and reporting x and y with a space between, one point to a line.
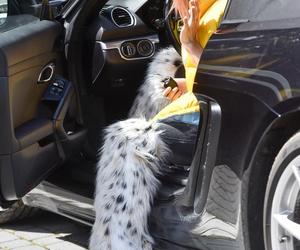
263 10
16 13
3 11
31 7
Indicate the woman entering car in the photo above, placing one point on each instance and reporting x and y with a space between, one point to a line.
135 149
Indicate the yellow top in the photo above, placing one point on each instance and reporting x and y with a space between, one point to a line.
186 104
211 12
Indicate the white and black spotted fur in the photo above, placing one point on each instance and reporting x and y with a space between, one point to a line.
129 165
149 100
126 184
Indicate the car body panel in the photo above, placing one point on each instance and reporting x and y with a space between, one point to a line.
251 70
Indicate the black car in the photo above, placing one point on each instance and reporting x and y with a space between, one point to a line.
67 70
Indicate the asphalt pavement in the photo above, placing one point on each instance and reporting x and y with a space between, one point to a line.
44 231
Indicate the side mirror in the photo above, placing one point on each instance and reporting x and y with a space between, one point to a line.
3 11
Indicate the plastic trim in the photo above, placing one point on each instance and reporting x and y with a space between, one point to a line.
118 44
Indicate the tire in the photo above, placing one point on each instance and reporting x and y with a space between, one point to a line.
282 199
16 212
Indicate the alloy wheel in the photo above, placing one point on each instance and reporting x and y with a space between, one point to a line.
285 209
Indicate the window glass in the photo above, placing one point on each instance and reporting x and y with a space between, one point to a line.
263 10
33 7
3 11
16 13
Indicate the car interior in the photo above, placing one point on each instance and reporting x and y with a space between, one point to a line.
39 102
70 68
49 123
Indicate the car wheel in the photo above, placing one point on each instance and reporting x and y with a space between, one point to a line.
15 212
282 199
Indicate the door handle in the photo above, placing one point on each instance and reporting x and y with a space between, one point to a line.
47 73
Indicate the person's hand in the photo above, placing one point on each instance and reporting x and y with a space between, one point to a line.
175 93
190 30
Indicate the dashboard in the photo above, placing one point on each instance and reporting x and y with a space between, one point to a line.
122 40
122 29
131 20
119 44
133 5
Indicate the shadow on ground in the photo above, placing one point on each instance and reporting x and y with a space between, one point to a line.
44 231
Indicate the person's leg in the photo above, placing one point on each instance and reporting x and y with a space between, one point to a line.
180 138
150 100
126 183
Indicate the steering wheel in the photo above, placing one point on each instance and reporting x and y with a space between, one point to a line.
173 24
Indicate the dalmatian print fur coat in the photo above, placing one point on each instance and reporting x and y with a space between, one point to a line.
130 161
149 100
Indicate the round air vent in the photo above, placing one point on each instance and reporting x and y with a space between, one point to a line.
122 17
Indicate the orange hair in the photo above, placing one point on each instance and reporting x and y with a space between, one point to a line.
181 6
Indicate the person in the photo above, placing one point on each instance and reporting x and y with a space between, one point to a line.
198 26
135 149
190 13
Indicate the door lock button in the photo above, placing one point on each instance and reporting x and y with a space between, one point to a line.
128 49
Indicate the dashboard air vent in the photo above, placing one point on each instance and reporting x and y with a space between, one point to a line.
122 17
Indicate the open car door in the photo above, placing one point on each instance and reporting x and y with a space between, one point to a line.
184 188
34 99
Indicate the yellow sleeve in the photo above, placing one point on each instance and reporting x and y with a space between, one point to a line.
190 69
204 5
209 22
211 14
186 104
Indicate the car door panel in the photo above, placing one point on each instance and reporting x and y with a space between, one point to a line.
28 149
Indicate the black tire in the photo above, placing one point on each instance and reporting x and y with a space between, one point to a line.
16 212
288 152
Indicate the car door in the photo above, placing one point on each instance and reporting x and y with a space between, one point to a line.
34 97
247 68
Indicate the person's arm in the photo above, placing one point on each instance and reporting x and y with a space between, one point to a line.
189 42
190 31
